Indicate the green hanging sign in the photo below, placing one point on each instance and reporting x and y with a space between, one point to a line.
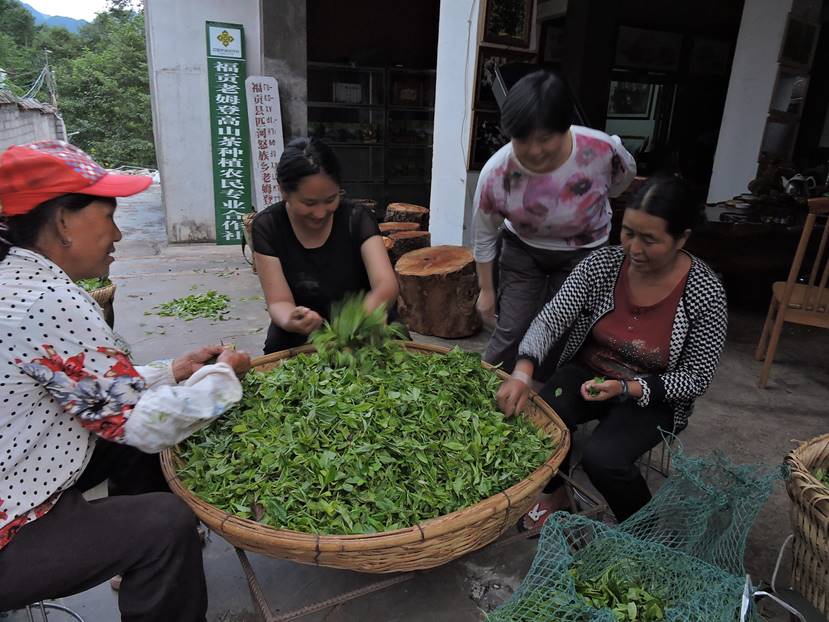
230 136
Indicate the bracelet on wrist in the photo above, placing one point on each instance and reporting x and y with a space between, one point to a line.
522 377
625 394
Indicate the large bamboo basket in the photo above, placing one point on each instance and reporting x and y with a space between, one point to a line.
425 545
105 296
810 522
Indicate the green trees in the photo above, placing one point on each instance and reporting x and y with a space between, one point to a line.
101 75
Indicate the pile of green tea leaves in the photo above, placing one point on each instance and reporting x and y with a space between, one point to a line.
94 283
614 589
211 305
361 437
822 476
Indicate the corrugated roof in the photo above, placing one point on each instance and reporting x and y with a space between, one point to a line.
7 97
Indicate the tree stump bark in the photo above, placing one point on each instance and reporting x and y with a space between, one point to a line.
407 241
387 228
406 212
438 289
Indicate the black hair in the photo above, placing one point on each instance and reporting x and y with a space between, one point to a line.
538 101
670 198
22 230
304 157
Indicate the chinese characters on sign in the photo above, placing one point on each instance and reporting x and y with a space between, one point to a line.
229 129
266 130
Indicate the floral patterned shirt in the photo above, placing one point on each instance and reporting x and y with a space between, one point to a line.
566 209
67 379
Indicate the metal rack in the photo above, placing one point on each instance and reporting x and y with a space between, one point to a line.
383 180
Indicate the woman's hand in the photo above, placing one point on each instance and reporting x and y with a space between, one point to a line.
303 321
485 305
238 361
190 362
512 396
594 391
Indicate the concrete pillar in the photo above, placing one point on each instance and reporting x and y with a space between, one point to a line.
455 87
753 74
285 46
177 61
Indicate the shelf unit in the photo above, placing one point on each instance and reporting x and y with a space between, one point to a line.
379 122
790 88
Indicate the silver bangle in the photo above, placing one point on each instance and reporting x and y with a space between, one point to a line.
522 377
625 395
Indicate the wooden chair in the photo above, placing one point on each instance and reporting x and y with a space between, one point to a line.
798 303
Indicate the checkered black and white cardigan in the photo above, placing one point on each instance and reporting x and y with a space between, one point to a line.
697 337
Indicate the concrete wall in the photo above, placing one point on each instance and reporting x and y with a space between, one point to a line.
457 49
284 35
177 59
753 74
19 126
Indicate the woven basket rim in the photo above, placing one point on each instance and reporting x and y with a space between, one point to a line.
103 294
802 485
241 528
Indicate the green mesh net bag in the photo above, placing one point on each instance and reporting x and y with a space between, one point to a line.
679 559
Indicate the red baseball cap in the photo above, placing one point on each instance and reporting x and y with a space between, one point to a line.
37 172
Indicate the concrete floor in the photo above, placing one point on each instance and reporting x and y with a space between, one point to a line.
748 424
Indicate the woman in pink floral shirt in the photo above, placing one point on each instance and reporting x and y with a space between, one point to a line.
545 193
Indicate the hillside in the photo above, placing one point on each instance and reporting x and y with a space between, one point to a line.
56 21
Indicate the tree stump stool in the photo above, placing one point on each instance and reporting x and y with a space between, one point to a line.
438 289
406 212
407 241
387 228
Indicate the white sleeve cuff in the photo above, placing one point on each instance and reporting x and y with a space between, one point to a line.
167 414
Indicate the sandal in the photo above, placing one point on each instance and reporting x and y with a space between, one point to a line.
546 505
534 518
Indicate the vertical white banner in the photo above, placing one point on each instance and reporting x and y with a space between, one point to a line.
267 142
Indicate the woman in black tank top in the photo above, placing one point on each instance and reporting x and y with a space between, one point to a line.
314 248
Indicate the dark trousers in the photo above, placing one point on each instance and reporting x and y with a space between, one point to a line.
527 278
148 537
625 432
280 339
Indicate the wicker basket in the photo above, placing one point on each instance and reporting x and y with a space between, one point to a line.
105 296
425 545
810 522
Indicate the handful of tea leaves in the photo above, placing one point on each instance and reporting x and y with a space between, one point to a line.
593 391
354 334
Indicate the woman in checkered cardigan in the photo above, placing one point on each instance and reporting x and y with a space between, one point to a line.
645 324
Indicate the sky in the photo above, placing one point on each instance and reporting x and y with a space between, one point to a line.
78 9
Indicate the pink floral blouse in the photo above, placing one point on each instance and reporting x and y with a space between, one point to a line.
566 209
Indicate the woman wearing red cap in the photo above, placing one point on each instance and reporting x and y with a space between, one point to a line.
76 411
